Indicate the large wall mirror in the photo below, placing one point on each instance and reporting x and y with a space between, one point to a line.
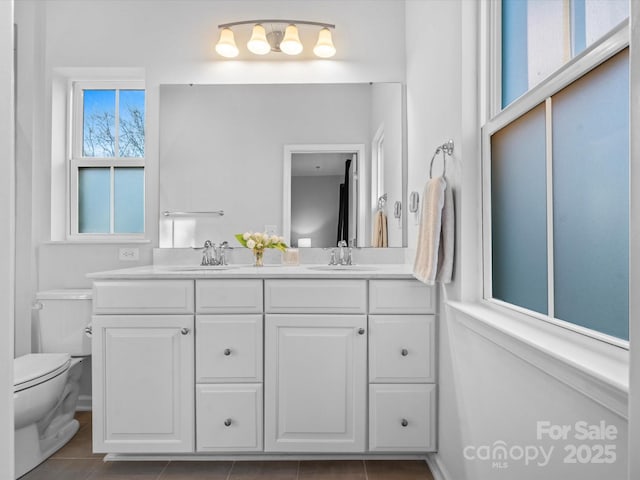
274 157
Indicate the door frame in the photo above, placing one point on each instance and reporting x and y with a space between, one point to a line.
361 172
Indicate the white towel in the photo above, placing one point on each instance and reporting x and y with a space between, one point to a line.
380 238
434 254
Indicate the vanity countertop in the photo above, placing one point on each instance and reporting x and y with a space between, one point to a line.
363 271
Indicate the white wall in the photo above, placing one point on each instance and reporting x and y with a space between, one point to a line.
487 393
7 236
168 41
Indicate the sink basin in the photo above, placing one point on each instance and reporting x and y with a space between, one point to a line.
343 268
200 268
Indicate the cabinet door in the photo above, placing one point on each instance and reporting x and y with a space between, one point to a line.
143 383
228 348
402 418
402 348
315 383
229 417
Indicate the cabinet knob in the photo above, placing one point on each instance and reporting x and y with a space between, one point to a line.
227 352
227 422
185 331
404 422
361 331
404 352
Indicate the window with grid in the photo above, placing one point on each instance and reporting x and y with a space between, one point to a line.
556 166
106 194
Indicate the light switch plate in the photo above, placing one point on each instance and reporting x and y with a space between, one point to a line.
129 254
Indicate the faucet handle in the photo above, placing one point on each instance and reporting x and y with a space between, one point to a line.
332 259
349 259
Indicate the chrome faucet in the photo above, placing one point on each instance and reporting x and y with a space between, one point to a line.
214 254
344 255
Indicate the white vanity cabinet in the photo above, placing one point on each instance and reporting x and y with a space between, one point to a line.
143 367
229 365
315 366
284 366
402 367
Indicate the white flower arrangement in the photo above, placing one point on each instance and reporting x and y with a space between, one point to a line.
258 241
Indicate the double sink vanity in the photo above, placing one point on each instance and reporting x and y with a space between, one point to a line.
240 361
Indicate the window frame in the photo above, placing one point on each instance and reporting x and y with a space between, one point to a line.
76 160
497 118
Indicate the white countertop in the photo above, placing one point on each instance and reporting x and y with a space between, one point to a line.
363 271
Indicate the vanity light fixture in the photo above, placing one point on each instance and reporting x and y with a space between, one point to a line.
275 36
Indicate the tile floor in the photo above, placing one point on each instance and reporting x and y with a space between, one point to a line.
75 461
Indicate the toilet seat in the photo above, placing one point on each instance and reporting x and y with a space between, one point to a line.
35 368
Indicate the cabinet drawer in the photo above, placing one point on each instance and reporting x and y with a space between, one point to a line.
316 296
400 296
228 296
229 417
402 418
142 296
228 348
402 348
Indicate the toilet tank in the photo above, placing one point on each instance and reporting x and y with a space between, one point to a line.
62 318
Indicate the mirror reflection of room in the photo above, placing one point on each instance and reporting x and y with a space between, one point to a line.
222 148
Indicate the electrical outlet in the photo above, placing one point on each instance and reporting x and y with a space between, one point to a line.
270 229
129 254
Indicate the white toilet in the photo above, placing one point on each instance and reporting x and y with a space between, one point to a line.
47 384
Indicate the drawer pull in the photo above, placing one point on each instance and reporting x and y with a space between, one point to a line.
185 331
361 331
227 422
404 422
227 352
404 352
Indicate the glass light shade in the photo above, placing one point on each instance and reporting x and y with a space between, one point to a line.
324 47
226 45
291 44
258 43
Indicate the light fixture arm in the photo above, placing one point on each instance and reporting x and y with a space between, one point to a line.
282 21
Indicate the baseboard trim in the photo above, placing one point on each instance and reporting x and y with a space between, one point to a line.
119 457
438 470
84 403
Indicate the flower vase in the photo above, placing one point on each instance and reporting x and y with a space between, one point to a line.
258 258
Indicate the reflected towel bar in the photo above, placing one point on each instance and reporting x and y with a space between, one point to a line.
214 213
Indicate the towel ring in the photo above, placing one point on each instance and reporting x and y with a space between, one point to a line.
446 149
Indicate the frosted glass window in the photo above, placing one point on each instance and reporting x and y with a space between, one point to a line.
99 127
591 199
539 36
128 200
131 127
518 212
94 194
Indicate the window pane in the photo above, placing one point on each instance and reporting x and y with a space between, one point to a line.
591 199
539 36
534 44
129 200
601 16
131 131
519 217
98 129
94 190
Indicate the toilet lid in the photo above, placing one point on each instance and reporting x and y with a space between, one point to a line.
35 368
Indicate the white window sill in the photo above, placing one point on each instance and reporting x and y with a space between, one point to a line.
99 241
592 367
